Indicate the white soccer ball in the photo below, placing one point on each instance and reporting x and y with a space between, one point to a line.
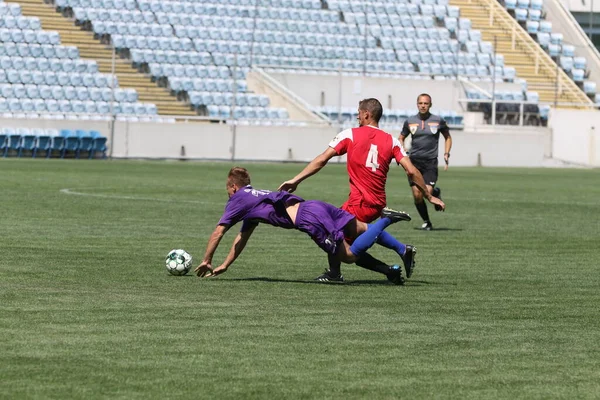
178 262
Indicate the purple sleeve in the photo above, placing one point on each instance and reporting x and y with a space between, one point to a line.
234 211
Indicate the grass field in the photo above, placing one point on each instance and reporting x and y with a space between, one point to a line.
504 302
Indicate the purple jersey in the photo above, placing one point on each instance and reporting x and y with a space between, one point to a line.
254 205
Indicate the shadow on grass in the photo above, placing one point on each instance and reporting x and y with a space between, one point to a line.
435 229
379 282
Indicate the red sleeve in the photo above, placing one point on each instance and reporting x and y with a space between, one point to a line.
342 142
397 150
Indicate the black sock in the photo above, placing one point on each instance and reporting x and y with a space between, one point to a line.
335 266
422 209
369 262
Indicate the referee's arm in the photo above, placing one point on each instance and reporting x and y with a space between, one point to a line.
445 131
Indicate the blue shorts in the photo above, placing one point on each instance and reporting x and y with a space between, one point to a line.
324 223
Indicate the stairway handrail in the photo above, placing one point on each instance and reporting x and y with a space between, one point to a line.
593 54
541 57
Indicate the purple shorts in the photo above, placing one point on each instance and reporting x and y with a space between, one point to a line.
324 223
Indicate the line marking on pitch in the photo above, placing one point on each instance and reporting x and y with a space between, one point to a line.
119 197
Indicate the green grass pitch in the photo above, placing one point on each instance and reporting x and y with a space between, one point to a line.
504 301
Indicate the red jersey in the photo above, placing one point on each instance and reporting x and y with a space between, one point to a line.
370 152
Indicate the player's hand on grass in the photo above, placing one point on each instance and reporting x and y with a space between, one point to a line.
287 186
441 206
204 270
219 270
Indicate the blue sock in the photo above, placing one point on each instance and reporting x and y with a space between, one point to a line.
386 240
368 238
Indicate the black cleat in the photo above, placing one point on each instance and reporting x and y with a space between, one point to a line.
437 192
329 277
394 275
409 259
395 216
427 226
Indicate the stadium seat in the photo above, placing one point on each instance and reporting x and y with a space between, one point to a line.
556 38
4 144
532 27
579 62
589 87
534 15
554 50
546 26
521 14
14 142
543 39
578 75
566 63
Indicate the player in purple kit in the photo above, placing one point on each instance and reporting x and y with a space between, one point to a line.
326 224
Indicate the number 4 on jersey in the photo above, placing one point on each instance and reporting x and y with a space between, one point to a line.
372 158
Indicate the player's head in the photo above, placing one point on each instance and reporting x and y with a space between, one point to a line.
369 112
238 178
424 103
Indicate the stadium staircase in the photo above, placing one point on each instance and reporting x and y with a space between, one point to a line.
261 82
91 48
521 51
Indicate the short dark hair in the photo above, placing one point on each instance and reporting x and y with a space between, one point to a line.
373 106
422 95
239 176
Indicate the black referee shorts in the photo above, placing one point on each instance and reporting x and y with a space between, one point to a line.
427 168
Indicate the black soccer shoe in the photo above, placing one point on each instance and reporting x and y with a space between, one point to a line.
437 192
427 226
329 277
409 259
394 215
394 275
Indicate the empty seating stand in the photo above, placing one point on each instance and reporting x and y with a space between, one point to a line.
530 14
41 78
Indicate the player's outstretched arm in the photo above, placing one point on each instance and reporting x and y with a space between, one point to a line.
237 247
213 242
312 168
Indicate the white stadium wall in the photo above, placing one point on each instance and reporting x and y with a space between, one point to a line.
510 147
576 136
319 90
486 146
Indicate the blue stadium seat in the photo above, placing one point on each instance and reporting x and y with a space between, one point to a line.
566 63
521 14
556 38
14 142
532 27
554 50
534 15
568 50
546 26
3 144
589 87
578 75
579 62
543 39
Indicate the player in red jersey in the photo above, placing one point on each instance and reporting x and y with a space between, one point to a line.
370 152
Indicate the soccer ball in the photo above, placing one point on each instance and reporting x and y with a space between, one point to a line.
178 262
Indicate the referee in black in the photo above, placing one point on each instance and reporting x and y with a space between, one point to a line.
425 129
